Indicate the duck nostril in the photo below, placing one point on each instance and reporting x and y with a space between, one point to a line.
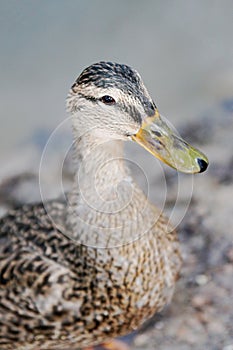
202 164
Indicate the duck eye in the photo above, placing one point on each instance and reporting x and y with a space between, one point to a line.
108 100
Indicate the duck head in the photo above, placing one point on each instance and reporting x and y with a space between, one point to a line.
110 101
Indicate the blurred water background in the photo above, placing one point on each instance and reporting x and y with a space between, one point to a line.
183 49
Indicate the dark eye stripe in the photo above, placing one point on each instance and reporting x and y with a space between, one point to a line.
108 100
90 98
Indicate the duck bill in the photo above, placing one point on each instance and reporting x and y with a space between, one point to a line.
160 140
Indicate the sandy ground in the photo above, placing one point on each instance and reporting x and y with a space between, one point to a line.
201 313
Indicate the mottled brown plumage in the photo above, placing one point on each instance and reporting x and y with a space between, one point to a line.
59 295
78 273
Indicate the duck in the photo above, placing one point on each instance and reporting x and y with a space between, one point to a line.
79 272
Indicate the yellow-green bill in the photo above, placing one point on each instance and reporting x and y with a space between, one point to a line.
160 140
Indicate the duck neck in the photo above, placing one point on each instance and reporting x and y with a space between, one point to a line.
100 165
106 207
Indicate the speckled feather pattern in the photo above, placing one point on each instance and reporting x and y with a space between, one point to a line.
55 294
68 281
108 75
